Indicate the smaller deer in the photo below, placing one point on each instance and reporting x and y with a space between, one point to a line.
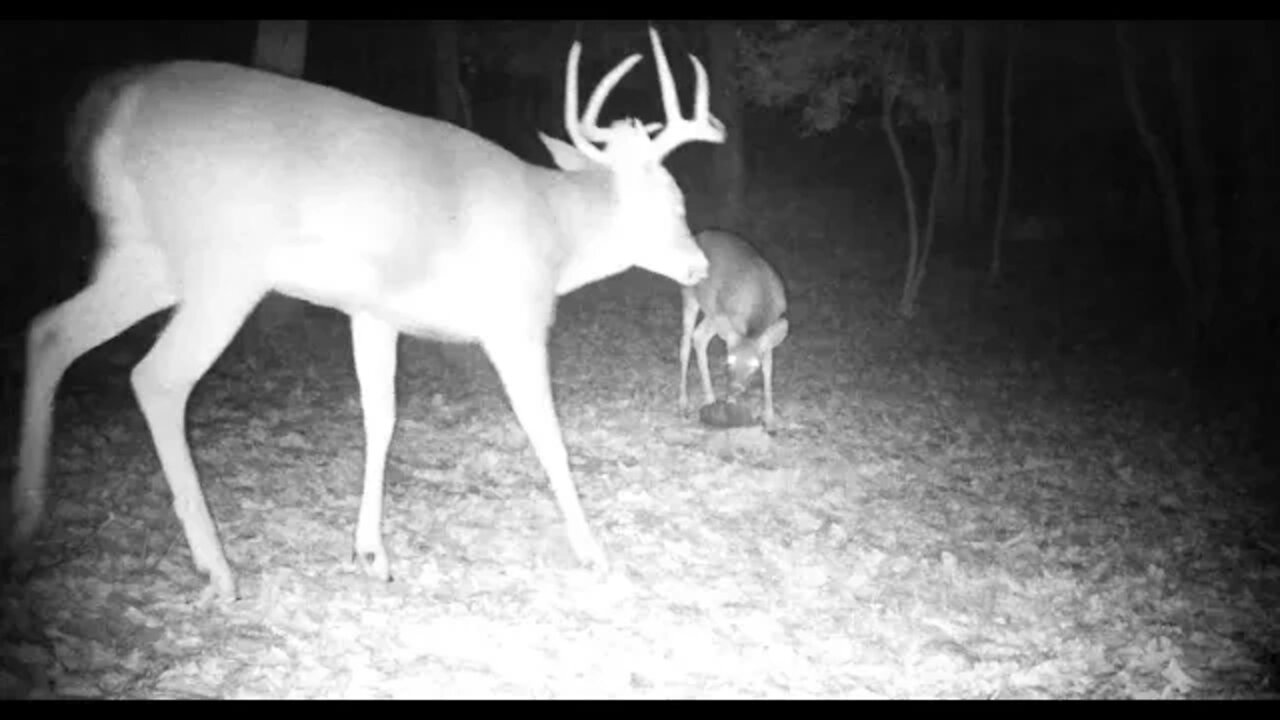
742 301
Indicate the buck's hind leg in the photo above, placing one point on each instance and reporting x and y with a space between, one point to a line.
129 283
215 303
373 343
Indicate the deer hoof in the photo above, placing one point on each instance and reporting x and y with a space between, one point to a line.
590 554
374 563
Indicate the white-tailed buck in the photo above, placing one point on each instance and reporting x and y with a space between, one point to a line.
742 300
215 184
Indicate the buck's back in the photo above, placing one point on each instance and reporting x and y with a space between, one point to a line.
330 197
309 159
742 288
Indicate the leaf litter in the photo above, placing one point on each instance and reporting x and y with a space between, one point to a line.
925 523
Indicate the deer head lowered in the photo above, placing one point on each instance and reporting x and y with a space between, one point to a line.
214 184
742 301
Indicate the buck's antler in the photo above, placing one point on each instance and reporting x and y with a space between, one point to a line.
585 131
704 126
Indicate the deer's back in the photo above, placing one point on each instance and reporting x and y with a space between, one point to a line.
216 136
302 182
742 288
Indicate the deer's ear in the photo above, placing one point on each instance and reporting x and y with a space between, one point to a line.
565 155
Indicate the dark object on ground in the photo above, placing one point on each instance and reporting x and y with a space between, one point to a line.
726 414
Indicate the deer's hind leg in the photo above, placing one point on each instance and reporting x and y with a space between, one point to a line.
216 298
131 282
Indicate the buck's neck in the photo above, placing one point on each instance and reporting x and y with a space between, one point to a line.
584 205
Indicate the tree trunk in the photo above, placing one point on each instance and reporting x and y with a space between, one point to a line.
281 47
940 127
1167 182
451 98
728 164
950 207
889 97
907 302
973 166
949 193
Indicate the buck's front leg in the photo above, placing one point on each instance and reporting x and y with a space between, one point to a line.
373 344
521 362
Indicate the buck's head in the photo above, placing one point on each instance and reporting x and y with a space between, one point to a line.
646 217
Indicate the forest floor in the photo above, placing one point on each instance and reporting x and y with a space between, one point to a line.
939 514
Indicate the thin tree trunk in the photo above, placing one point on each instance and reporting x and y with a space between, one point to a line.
1006 161
281 46
906 304
1166 179
939 128
951 194
889 96
450 100
728 164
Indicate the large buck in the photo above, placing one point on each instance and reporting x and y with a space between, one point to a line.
214 184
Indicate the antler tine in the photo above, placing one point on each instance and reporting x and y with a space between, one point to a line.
704 126
571 106
590 129
707 126
584 131
670 100
702 94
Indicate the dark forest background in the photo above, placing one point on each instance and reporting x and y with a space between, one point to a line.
1136 219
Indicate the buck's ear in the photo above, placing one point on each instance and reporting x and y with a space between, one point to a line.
565 155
